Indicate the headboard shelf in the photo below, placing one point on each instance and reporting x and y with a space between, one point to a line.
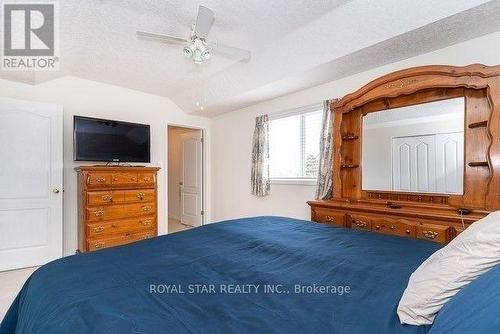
349 166
480 124
350 136
478 164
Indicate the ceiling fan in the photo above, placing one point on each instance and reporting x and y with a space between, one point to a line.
197 48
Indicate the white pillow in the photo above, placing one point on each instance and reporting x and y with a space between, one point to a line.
445 272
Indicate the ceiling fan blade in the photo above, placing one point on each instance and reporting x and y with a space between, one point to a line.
204 21
161 37
231 51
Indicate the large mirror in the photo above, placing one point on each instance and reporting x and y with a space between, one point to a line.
417 148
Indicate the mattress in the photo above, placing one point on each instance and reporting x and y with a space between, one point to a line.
252 275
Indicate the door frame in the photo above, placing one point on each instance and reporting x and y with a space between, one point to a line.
203 169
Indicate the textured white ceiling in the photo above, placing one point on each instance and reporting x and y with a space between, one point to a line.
295 44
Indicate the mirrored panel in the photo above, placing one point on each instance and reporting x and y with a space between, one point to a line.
415 149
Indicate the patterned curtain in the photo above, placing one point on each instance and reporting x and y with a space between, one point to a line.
261 185
324 186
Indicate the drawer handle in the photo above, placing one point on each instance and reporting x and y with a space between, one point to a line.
146 208
99 213
133 178
377 227
101 179
408 231
115 179
330 219
393 227
393 205
98 245
147 179
430 234
360 224
146 222
141 196
107 198
98 229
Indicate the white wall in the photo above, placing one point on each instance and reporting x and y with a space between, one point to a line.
88 98
232 134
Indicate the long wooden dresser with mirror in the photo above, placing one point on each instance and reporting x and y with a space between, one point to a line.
416 153
117 205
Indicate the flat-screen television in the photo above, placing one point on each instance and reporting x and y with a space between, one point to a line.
110 141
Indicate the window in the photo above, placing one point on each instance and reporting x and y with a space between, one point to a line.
294 145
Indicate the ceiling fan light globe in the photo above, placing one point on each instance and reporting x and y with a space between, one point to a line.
197 57
206 54
187 51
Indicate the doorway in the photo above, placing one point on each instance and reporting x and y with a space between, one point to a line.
185 176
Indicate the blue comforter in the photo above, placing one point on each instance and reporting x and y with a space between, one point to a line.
255 275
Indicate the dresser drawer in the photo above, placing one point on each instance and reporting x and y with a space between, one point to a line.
139 195
104 229
391 226
360 222
100 197
329 217
146 178
95 244
120 196
99 180
109 212
434 232
124 179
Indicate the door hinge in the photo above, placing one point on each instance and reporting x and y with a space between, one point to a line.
202 212
202 140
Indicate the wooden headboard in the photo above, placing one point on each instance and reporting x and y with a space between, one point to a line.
480 86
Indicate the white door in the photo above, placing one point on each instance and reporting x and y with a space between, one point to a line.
450 162
191 178
430 163
31 154
414 163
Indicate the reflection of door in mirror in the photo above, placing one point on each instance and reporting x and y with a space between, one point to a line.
415 149
428 163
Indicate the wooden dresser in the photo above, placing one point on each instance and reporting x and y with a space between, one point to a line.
433 222
117 205
436 217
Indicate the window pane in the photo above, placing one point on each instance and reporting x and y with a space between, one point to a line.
285 147
312 130
294 146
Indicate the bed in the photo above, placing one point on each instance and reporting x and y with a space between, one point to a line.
144 287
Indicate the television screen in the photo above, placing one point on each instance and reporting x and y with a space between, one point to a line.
110 141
